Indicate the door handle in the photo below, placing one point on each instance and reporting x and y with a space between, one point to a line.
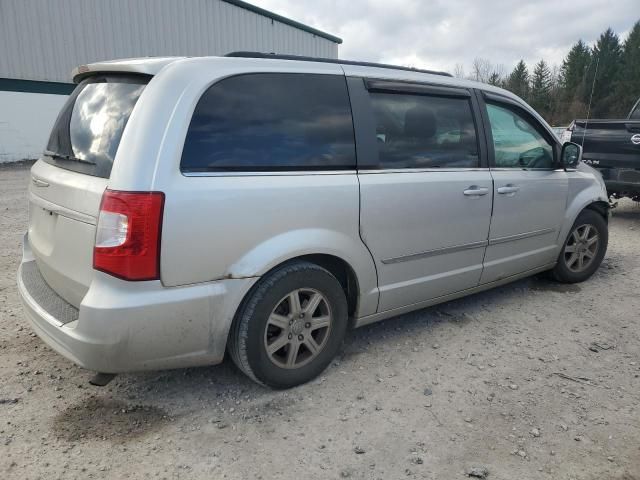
508 189
475 191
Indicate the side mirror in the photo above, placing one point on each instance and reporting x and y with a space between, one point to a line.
570 155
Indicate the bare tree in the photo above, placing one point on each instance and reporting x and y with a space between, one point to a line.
458 71
481 70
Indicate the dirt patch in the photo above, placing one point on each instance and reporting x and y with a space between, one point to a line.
544 285
97 418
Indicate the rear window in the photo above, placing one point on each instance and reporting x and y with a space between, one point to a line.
271 122
88 130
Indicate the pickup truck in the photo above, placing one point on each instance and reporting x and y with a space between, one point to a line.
612 147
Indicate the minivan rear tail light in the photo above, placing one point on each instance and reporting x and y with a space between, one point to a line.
128 235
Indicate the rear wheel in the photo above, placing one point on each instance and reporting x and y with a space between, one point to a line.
583 249
290 326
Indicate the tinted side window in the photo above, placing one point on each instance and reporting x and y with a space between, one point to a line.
267 122
516 142
424 131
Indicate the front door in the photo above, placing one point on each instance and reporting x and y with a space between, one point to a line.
530 193
425 197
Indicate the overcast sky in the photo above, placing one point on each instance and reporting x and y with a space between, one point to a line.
439 34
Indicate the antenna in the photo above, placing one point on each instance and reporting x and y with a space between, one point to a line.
593 86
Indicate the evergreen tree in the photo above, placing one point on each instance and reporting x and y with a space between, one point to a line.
607 58
557 111
540 95
561 94
628 88
518 81
573 73
494 79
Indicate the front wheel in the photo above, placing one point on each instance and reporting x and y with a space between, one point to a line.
583 249
290 327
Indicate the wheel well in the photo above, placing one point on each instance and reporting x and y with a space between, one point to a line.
342 271
600 207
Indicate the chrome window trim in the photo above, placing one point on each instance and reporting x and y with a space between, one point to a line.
523 169
278 173
420 170
520 236
435 252
281 173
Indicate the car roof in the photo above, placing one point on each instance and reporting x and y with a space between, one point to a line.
153 66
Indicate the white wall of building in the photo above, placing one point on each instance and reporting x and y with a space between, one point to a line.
25 123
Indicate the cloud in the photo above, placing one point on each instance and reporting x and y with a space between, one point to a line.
439 34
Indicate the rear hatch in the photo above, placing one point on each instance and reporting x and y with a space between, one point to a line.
609 143
68 181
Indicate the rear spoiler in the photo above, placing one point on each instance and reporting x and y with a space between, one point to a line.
146 66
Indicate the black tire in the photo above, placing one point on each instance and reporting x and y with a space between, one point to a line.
247 338
562 271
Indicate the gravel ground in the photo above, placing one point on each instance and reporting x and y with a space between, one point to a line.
532 380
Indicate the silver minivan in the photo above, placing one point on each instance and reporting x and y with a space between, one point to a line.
260 205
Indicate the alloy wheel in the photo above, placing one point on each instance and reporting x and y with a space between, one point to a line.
298 328
581 248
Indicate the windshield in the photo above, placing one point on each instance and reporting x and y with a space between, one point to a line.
87 133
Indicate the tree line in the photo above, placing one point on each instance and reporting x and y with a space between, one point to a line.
605 76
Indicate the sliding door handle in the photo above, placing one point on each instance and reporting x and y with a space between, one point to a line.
508 189
475 191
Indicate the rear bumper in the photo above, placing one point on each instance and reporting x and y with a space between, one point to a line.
129 326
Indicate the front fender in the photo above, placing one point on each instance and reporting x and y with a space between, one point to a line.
585 188
296 243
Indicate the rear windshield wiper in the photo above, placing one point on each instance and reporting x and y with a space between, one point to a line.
69 158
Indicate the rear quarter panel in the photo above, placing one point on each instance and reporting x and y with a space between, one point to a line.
235 225
243 226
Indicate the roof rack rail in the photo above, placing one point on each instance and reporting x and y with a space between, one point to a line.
331 60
